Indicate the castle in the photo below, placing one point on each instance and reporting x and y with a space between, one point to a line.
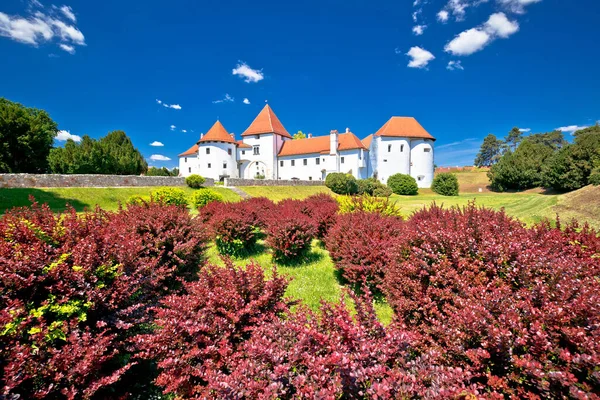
267 151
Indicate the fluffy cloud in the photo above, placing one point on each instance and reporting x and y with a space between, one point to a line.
159 157
184 130
172 126
454 65
246 101
248 74
418 29
226 99
525 130
517 6
443 16
174 106
41 27
475 39
156 144
571 128
419 57
63 136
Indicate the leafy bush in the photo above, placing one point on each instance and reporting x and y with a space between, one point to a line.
195 181
363 244
522 169
322 208
77 288
289 232
445 184
341 183
595 177
202 197
382 191
513 307
259 208
368 204
138 200
234 228
201 331
170 196
403 184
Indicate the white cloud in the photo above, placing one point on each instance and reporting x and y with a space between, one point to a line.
419 57
415 15
418 29
68 48
226 99
174 106
571 128
63 136
184 130
248 74
525 130
159 157
32 30
156 144
442 16
454 144
500 26
517 6
68 11
246 101
454 65
475 39
67 32
172 126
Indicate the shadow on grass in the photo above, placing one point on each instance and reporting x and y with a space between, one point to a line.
309 257
19 197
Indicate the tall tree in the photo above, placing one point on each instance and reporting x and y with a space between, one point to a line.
490 151
555 139
513 138
26 137
299 135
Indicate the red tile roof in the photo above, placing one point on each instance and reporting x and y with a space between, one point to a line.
266 122
192 151
404 127
367 141
243 145
320 144
217 133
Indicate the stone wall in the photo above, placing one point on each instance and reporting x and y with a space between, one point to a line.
55 180
270 182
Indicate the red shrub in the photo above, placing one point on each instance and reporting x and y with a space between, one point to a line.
289 231
233 227
200 332
75 288
322 208
363 244
260 208
519 308
332 355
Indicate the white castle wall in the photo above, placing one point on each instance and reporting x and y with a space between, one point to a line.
421 156
188 165
309 172
266 160
218 162
392 157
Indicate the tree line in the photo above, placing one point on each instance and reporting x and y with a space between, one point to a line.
542 160
27 146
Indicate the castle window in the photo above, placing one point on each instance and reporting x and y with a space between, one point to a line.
185 159
229 151
258 136
420 177
243 152
256 150
318 161
427 150
342 160
281 163
207 151
293 163
224 165
310 178
401 148
389 148
305 161
190 169
208 165
384 160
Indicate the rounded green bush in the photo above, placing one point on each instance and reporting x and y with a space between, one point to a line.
137 200
403 184
341 183
382 191
445 184
170 196
202 197
195 181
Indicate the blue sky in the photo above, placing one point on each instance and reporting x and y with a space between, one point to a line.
463 68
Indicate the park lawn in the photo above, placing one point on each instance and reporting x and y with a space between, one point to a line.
278 193
312 281
82 198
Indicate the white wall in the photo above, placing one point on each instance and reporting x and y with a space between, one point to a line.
186 163
269 146
216 158
311 171
421 155
391 156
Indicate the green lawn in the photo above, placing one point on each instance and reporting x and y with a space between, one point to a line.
81 198
278 193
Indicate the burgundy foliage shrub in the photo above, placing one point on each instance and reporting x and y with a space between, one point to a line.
233 226
202 331
322 208
260 208
289 231
362 245
518 308
75 288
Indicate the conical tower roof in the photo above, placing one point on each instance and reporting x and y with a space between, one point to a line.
403 127
217 133
266 122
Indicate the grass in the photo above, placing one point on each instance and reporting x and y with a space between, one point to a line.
278 193
82 198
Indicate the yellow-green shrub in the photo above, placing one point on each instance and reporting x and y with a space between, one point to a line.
349 204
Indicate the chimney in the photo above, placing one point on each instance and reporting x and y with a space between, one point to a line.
232 135
333 142
347 130
310 135
201 136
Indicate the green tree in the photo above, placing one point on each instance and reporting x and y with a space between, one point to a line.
403 184
555 139
445 184
514 137
113 154
299 135
153 171
175 172
26 137
490 151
